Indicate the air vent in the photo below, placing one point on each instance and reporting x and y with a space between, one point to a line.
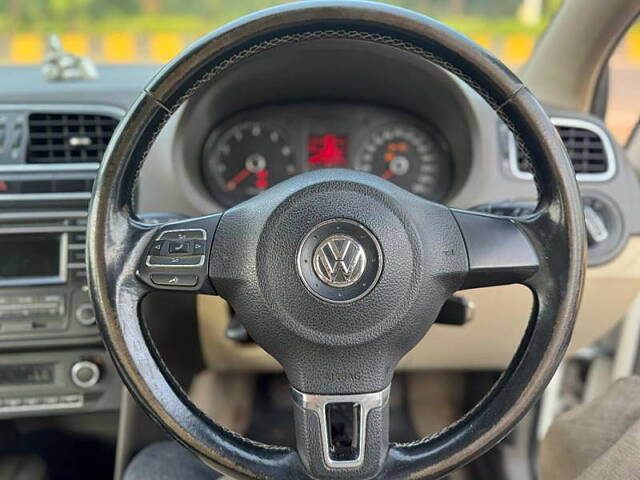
589 149
68 137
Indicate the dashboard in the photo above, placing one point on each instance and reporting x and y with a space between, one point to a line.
384 113
257 148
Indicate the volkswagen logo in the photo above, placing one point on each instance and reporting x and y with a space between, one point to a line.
339 261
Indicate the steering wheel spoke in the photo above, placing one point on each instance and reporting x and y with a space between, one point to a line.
177 255
499 249
342 435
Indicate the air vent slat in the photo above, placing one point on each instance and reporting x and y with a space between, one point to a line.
68 137
586 149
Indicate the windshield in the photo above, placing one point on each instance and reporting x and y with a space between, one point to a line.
154 31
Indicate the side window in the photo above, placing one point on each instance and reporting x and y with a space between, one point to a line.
624 80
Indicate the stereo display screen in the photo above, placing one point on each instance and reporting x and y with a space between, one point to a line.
32 258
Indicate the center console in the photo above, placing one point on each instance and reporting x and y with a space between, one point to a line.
52 360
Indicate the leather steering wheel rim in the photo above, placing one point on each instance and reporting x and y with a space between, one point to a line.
117 240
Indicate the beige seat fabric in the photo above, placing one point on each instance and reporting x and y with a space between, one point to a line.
596 441
23 467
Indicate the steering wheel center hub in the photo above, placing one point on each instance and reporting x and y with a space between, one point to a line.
339 260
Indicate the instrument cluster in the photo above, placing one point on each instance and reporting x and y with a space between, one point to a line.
255 149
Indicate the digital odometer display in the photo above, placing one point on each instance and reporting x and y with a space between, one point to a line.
327 150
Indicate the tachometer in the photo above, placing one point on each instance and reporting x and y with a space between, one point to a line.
409 157
246 159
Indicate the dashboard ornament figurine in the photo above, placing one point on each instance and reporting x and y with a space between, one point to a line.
61 66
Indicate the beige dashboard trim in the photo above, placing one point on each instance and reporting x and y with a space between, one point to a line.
488 341
565 66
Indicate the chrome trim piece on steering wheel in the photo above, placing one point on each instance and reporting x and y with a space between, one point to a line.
318 404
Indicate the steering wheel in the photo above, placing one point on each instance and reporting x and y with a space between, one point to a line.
337 273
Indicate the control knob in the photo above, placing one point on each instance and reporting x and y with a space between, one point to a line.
85 374
85 314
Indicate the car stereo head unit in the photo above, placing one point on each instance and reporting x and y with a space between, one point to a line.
37 258
43 283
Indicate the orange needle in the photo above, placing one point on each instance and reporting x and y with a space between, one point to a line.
387 174
238 178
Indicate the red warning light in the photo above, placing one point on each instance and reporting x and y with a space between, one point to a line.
262 179
327 150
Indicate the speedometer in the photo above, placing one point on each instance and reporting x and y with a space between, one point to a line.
245 159
409 157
